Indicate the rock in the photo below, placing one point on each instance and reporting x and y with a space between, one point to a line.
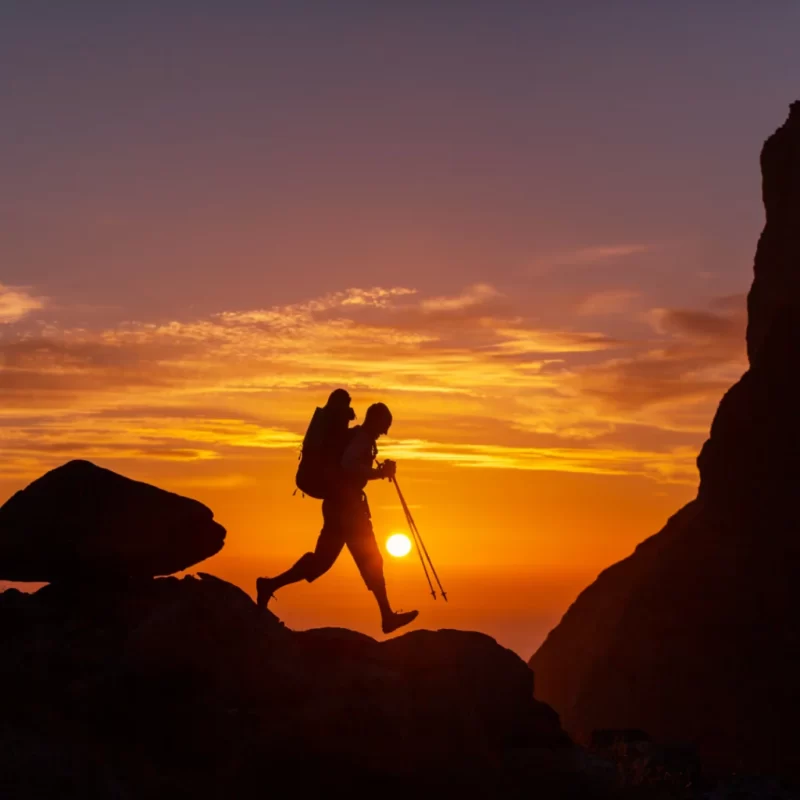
749 463
776 285
183 687
640 763
80 522
695 637
609 739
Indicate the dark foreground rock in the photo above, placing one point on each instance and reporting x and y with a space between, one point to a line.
695 638
184 688
82 522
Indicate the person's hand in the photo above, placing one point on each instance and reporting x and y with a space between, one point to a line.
388 469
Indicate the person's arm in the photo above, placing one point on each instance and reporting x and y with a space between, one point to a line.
357 459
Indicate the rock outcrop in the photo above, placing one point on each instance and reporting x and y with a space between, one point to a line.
81 522
696 636
184 688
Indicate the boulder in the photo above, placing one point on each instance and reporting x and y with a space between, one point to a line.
695 637
185 688
81 522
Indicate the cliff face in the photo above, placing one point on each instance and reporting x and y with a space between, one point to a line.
749 463
696 636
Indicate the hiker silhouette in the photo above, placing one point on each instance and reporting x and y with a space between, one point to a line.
338 465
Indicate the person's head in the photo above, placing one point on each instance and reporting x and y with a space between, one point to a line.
378 419
339 404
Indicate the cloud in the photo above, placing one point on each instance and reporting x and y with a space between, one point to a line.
600 253
588 256
473 382
731 303
475 295
675 466
29 446
522 341
285 316
40 371
16 303
28 450
654 377
699 355
378 297
700 324
447 345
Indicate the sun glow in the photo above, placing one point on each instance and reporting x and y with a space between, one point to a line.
398 545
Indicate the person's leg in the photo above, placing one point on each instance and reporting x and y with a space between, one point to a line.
309 566
297 572
363 546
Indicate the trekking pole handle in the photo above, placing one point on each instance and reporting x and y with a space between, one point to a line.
387 466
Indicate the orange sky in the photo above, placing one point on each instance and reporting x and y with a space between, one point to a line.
532 457
529 230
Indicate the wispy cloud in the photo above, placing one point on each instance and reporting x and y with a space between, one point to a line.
677 465
698 355
596 255
725 325
474 382
30 448
521 341
601 253
472 296
16 303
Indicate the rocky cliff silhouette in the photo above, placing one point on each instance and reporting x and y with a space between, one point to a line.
696 636
118 684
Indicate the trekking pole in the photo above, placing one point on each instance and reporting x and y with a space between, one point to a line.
415 537
421 545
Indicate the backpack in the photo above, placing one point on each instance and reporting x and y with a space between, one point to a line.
321 455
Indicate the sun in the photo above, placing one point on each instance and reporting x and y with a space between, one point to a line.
398 545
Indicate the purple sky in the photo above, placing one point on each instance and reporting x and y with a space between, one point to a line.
278 145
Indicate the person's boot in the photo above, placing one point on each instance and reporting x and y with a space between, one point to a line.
397 619
265 590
